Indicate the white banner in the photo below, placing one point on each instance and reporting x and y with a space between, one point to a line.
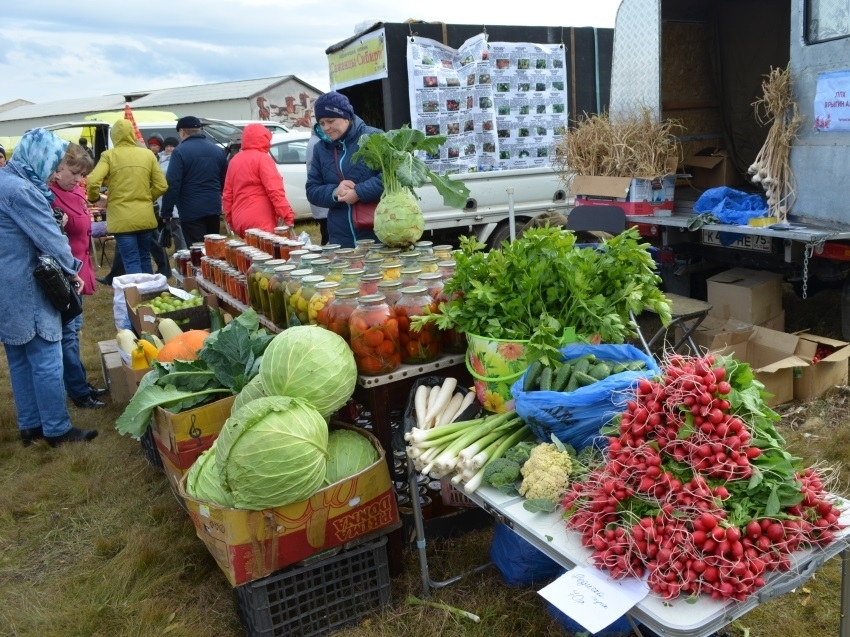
832 101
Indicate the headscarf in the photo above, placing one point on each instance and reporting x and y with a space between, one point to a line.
38 155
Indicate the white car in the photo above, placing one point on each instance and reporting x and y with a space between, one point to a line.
273 127
289 151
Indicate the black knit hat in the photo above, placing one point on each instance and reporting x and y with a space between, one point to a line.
333 105
170 141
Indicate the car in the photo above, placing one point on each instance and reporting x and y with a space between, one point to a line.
289 151
274 127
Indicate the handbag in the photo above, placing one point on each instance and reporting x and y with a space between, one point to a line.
362 212
57 287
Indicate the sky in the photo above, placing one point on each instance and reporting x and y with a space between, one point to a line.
55 49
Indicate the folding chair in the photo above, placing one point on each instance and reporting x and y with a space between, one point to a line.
99 237
686 313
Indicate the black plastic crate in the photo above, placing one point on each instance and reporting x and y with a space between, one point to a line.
318 598
149 449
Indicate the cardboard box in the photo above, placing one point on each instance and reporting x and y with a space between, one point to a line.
635 196
143 318
712 167
812 381
752 296
113 373
771 355
132 377
711 332
185 432
249 545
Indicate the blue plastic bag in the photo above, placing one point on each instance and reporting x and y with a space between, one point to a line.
731 206
519 562
576 417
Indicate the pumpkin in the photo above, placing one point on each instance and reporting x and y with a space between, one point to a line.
184 347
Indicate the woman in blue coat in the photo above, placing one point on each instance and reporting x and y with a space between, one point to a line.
31 328
333 180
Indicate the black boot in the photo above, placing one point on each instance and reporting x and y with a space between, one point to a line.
72 435
96 392
29 436
88 402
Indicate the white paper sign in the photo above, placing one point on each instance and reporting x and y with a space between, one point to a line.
593 599
832 101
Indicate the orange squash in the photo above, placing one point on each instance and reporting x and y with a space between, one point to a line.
184 347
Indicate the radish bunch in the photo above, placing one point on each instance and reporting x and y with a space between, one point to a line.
697 492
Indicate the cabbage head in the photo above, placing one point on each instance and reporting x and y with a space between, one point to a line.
251 391
348 454
312 363
202 481
272 452
398 219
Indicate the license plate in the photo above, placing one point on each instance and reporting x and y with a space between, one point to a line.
753 242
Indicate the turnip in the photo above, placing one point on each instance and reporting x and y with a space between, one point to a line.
398 217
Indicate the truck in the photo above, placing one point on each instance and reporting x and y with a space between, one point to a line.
702 63
372 68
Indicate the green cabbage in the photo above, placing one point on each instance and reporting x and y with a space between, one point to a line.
348 454
251 391
311 363
398 219
202 481
272 452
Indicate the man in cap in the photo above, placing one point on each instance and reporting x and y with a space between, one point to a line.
195 177
85 144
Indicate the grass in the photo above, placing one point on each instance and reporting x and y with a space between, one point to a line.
93 543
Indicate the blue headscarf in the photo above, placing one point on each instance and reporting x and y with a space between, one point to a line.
38 155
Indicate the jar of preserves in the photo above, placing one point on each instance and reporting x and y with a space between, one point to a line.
230 247
299 301
335 271
433 283
391 290
196 251
183 262
446 269
390 255
252 237
317 308
351 277
354 260
340 309
293 293
428 263
277 294
206 269
373 264
410 276
264 284
284 231
340 255
242 281
255 273
329 250
374 336
409 258
321 266
391 271
424 247
267 242
421 346
295 256
308 259
214 245
362 246
369 282
443 252
243 258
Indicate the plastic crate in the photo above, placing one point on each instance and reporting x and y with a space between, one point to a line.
319 597
149 449
452 497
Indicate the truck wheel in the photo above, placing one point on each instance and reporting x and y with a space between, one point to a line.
503 233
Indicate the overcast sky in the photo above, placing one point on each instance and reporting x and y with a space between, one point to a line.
61 49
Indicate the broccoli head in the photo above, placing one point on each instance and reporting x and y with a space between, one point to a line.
519 452
501 472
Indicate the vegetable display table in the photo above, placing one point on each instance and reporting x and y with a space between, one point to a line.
677 618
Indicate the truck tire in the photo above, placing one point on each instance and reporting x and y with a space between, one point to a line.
503 232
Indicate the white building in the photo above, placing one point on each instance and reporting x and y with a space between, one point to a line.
283 99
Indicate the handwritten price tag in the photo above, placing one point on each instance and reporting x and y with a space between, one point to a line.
592 599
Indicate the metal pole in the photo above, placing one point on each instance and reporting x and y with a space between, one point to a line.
511 217
844 616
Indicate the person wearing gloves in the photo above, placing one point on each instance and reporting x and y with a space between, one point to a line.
254 195
135 181
31 329
334 180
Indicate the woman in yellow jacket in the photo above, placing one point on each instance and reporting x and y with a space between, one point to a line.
135 181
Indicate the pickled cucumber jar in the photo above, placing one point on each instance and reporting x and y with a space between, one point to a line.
410 276
340 309
293 287
308 259
374 336
422 346
369 282
277 294
317 308
258 261
321 266
264 284
299 302
443 252
335 271
390 289
428 263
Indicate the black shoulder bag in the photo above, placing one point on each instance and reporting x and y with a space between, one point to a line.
57 287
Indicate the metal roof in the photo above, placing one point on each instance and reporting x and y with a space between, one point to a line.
64 107
209 92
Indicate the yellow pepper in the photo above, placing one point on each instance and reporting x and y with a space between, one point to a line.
137 358
149 351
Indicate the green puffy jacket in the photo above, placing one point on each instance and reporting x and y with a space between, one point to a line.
134 181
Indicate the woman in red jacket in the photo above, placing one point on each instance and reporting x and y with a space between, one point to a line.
253 188
70 199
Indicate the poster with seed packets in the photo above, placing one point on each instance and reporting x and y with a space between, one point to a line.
450 94
529 82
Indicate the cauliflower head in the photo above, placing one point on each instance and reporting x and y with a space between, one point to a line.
546 473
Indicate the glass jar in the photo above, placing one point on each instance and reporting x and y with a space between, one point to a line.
214 245
362 246
308 259
340 309
293 294
230 275
443 252
446 269
329 250
374 336
335 271
369 283
410 276
340 255
320 266
280 248
255 273
284 231
264 284
252 237
422 346
351 277
433 283
196 251
390 255
267 240
243 258
428 263
373 264
183 262
391 271
277 294
391 290
354 260
424 247
242 281
296 255
230 247
317 308
206 269
409 258
299 302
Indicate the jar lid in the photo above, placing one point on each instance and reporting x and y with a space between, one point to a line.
313 278
410 270
304 272
326 285
428 276
322 261
276 262
395 283
427 258
298 253
389 251
372 276
423 244
344 251
328 247
446 264
287 267
261 256
353 272
390 266
441 248
364 242
346 292
414 289
372 299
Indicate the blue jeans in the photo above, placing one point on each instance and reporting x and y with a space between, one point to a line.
74 373
35 369
135 251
